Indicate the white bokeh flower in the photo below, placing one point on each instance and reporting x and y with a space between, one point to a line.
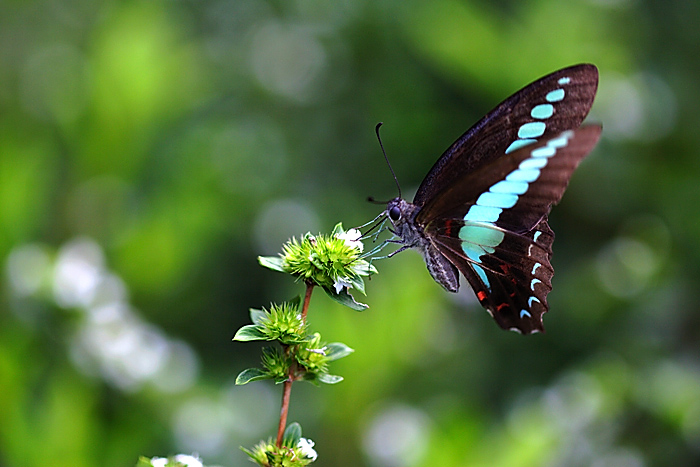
184 459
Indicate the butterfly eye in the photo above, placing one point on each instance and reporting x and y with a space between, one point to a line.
395 213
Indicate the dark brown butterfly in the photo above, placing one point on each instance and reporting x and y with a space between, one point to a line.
482 209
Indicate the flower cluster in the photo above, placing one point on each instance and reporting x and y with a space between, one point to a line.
304 356
295 451
333 262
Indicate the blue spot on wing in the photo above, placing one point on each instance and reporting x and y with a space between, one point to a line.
555 96
544 151
560 141
531 130
520 175
481 234
533 163
478 213
505 186
482 274
542 111
498 200
519 143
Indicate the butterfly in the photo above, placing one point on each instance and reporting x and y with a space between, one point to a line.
483 208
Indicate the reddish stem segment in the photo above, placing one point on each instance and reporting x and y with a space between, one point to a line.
287 390
307 299
285 410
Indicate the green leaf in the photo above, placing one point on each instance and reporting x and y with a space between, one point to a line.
144 462
357 283
344 298
337 350
329 379
292 434
338 229
275 263
257 316
251 374
250 332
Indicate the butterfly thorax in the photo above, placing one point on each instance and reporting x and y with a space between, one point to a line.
402 215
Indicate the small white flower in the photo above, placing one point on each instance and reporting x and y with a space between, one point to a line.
352 239
340 283
159 461
307 448
189 461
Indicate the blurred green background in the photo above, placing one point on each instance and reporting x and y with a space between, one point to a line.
151 149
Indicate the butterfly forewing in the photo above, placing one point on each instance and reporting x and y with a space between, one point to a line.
557 102
501 241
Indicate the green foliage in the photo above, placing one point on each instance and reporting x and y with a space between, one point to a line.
183 139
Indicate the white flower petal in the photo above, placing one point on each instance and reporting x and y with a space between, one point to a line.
307 448
352 239
340 283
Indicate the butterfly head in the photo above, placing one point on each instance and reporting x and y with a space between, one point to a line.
393 210
402 215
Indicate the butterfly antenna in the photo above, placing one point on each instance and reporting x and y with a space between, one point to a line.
386 158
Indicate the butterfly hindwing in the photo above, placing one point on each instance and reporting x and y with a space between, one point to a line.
512 283
557 102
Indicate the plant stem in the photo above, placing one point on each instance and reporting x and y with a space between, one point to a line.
285 408
287 389
307 299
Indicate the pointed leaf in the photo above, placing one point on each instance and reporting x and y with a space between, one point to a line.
338 229
363 268
329 379
337 350
276 263
251 374
250 332
344 298
257 316
357 283
292 434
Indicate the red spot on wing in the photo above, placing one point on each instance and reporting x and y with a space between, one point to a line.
481 295
448 227
502 306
